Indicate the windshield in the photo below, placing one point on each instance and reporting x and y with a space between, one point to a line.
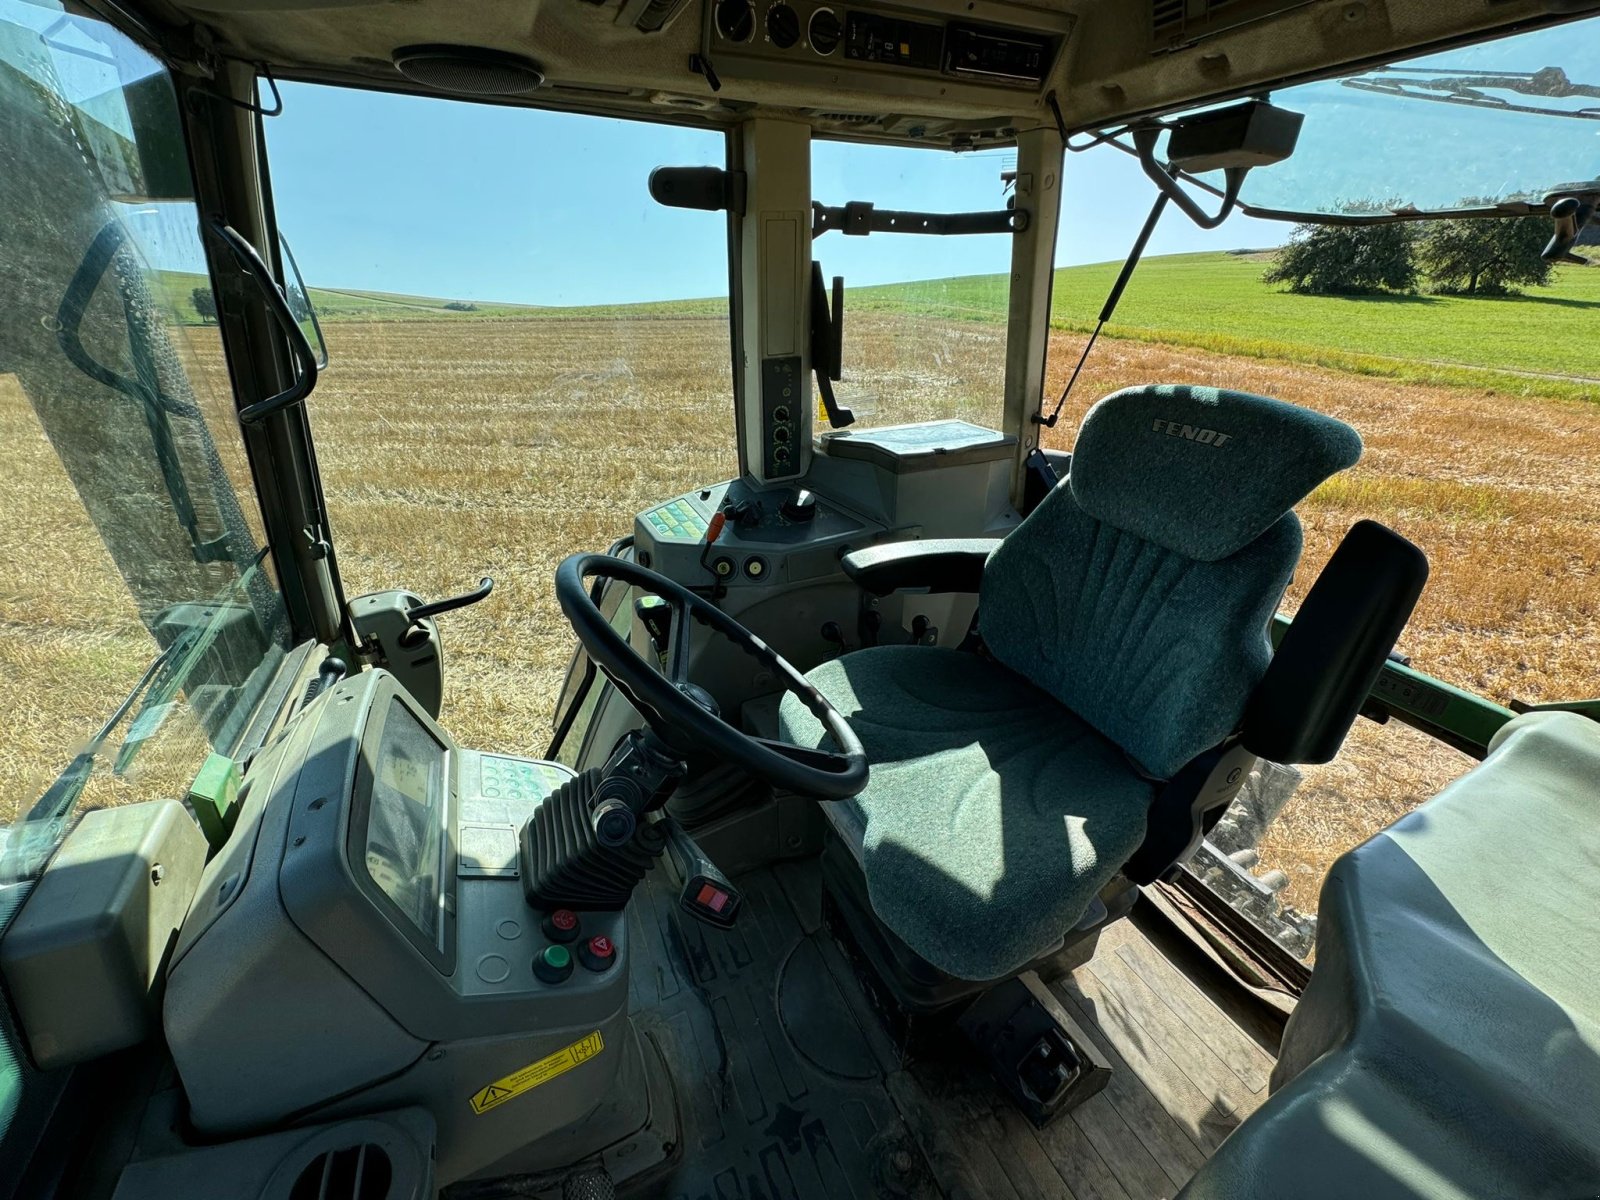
527 350
138 619
1510 121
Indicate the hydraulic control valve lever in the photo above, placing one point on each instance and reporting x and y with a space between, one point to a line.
422 612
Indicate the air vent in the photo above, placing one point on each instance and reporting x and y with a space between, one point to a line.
837 118
470 70
1166 12
1175 22
657 15
353 1173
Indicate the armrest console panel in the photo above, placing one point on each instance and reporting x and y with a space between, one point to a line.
934 565
1446 1044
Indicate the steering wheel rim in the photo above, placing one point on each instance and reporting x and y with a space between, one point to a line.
673 713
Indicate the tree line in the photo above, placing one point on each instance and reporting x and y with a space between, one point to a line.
1483 257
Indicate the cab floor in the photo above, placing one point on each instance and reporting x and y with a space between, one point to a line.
790 1086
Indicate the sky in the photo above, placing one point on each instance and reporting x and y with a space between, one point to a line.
466 201
443 198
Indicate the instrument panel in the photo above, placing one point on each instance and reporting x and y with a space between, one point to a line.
984 44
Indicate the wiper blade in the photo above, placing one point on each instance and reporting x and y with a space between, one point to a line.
1473 89
60 796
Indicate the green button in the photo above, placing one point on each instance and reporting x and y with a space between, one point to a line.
558 957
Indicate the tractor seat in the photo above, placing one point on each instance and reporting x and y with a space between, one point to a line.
1125 623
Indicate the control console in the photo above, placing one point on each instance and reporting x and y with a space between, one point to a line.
367 926
769 536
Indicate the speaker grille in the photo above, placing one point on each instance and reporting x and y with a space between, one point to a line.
470 70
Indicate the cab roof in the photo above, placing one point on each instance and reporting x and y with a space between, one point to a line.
1103 60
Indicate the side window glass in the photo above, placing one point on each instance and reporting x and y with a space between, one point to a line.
925 316
141 617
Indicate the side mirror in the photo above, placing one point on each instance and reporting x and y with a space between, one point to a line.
298 297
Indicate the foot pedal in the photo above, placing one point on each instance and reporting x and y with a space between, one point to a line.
1036 1052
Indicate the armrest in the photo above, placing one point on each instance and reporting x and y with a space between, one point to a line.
934 565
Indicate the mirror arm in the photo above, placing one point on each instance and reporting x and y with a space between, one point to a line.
278 305
1570 214
1144 140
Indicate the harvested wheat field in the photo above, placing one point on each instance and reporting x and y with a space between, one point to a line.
455 448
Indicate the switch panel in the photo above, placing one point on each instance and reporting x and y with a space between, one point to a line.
782 394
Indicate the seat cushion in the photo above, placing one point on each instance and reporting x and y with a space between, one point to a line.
993 815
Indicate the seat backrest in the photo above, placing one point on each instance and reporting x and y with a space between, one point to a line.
1140 591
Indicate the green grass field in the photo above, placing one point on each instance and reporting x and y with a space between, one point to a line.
1217 302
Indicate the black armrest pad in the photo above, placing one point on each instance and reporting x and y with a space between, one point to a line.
934 565
1334 650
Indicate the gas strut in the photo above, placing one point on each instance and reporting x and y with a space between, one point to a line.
1110 306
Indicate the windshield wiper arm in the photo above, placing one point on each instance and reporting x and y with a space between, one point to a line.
60 795
145 388
1471 88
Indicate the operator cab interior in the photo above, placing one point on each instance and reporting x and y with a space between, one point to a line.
861 754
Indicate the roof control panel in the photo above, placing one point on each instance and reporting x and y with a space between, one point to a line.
983 44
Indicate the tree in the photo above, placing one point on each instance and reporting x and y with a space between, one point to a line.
205 304
1343 260
1486 256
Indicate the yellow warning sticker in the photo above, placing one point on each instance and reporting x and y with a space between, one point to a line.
535 1073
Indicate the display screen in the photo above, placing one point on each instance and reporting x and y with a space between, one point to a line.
405 821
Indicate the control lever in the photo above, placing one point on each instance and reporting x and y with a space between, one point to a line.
638 777
703 891
421 612
394 629
330 672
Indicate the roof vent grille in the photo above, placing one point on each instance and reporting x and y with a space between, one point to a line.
1174 23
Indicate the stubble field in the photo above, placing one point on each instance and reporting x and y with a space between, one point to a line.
451 449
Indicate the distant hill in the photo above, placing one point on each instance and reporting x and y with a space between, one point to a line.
342 304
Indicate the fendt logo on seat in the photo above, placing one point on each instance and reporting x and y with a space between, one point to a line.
1193 433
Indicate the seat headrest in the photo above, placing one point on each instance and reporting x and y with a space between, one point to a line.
1200 470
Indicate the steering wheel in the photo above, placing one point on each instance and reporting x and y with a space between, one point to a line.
666 699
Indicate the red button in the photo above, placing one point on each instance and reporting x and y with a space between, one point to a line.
712 897
598 953
564 918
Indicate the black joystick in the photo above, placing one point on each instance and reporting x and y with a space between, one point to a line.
613 821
